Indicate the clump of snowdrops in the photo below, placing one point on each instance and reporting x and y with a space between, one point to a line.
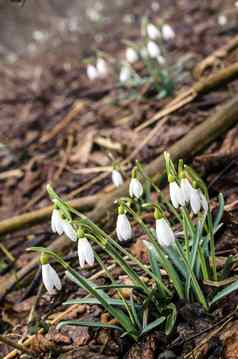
181 249
150 49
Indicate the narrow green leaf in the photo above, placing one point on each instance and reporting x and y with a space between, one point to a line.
153 325
171 319
92 301
87 323
224 292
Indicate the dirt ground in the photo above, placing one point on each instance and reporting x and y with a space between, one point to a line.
58 128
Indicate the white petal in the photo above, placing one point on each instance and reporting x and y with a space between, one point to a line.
131 55
203 202
85 252
125 74
123 228
69 231
135 188
117 178
186 188
167 32
152 31
92 72
46 278
55 278
102 67
164 233
153 49
57 222
195 200
173 194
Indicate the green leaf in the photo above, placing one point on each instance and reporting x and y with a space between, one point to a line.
87 323
220 211
153 325
92 301
171 319
224 292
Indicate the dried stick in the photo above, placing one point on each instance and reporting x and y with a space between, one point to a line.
215 56
201 87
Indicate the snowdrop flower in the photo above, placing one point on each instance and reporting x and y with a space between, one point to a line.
123 227
92 72
50 277
176 194
135 188
117 178
144 52
153 32
160 59
69 231
153 49
56 222
222 20
125 74
131 55
195 200
102 67
85 252
167 32
164 233
186 188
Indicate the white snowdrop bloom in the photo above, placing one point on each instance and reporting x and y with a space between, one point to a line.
195 200
153 49
69 231
117 178
167 32
50 278
153 32
92 72
123 228
57 222
125 74
204 203
85 252
176 194
222 20
144 52
131 55
161 60
135 188
102 67
186 189
155 6
164 233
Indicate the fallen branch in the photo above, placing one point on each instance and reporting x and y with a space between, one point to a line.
201 87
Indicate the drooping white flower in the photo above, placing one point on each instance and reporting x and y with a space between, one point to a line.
144 52
160 59
167 32
164 232
195 200
131 55
69 231
102 67
117 178
123 228
153 32
56 222
125 74
186 188
85 252
92 72
135 188
153 49
222 20
50 278
176 194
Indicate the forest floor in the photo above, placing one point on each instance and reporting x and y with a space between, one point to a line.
59 128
